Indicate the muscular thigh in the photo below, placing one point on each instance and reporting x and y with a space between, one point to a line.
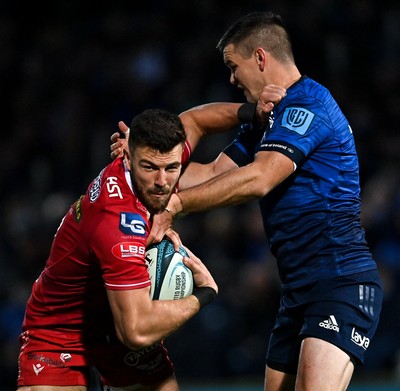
323 366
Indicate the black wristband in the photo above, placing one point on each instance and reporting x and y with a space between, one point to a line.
205 295
247 113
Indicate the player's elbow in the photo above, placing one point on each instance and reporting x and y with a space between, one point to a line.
261 181
258 190
258 187
135 340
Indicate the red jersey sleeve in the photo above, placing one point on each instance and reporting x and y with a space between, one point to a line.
120 229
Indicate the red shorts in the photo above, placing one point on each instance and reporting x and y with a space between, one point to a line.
41 362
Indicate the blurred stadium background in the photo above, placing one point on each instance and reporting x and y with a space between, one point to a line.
72 71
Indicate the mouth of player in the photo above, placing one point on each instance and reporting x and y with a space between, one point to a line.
158 194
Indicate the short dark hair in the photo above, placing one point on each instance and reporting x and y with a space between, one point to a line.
158 129
259 29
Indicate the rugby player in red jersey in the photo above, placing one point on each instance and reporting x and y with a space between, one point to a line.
90 306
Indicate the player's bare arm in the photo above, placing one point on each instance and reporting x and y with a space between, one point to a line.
194 174
197 173
230 188
141 322
207 119
243 184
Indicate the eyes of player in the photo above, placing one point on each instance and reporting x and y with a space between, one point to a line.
173 167
149 167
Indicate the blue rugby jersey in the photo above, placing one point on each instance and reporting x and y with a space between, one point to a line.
312 220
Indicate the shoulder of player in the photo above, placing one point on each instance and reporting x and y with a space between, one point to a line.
111 186
312 100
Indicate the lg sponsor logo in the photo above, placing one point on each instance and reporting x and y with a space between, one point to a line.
132 224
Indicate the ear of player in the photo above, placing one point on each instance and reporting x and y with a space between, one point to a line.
170 278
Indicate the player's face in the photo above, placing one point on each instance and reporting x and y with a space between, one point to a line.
154 175
245 73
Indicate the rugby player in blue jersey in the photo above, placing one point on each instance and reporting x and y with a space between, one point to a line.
302 165
299 159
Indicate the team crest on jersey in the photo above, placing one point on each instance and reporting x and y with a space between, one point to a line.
132 224
297 119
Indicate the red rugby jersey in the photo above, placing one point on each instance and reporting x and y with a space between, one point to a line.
99 243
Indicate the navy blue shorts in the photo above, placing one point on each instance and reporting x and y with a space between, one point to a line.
343 311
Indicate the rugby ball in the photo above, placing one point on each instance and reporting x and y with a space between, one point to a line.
170 278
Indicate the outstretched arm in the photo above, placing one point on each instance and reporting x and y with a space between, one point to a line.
236 186
197 173
207 119
233 187
210 118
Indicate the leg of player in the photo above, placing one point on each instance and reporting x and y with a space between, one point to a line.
323 366
278 381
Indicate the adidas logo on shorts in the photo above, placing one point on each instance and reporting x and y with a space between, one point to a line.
330 324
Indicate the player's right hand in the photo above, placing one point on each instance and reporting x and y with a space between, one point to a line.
270 96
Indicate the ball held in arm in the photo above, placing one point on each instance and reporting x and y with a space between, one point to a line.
170 278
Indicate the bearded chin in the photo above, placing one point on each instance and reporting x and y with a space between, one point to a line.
153 205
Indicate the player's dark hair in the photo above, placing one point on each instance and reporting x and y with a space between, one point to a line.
157 129
259 29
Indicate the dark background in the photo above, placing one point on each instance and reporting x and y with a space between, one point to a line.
71 70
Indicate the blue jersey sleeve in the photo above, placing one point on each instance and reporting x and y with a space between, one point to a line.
242 149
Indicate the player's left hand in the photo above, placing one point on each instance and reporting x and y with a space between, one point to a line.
162 226
119 146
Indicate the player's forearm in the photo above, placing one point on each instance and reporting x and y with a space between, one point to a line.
195 174
208 119
161 320
212 117
234 187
